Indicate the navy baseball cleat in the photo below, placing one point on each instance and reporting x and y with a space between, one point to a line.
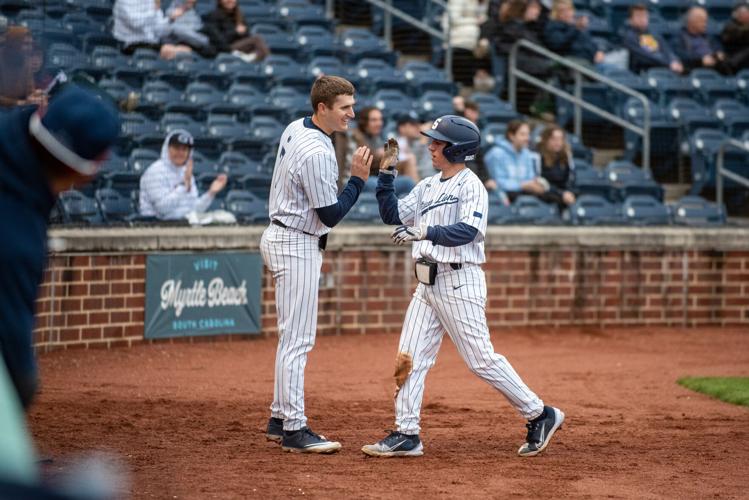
306 441
396 444
540 431
275 430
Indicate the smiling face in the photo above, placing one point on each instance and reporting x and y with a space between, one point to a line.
178 154
337 117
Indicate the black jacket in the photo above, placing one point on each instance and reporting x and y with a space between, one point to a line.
221 30
25 203
735 37
567 40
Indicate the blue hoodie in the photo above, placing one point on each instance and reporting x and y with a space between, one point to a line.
510 168
26 200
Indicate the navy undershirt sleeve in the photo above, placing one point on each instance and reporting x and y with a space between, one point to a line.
387 200
333 214
453 235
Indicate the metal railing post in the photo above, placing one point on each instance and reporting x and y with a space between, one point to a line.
646 135
578 109
389 24
721 171
329 9
512 81
719 175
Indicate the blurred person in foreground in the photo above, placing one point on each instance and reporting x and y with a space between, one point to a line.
41 155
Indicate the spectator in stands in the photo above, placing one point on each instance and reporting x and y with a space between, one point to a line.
186 28
556 164
518 19
472 111
40 156
167 189
568 35
735 37
228 32
695 47
368 132
142 24
462 21
17 69
414 159
512 165
646 50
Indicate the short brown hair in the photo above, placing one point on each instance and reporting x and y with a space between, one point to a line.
514 126
327 88
637 7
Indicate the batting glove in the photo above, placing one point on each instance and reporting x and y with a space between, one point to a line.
404 234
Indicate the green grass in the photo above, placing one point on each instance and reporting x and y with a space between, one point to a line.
729 389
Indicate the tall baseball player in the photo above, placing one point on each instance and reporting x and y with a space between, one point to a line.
304 205
445 218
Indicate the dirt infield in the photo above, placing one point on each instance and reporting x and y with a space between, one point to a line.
189 419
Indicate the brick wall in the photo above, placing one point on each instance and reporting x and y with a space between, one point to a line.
98 299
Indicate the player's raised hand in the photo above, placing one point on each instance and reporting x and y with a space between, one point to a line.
218 184
404 234
390 154
361 162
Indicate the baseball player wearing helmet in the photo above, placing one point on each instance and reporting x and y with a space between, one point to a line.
304 206
444 217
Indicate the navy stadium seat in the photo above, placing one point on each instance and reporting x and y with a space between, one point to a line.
644 210
76 208
114 206
593 210
592 181
246 207
492 132
710 85
704 145
325 65
433 104
626 179
318 41
391 101
528 209
696 211
422 76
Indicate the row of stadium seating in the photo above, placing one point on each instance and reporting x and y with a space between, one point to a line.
111 207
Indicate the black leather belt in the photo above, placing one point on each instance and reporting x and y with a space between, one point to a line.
281 224
322 240
456 266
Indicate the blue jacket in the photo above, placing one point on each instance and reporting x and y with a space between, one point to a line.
566 40
510 168
646 50
25 203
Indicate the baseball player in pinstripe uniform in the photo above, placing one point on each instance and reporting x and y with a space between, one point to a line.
304 205
445 218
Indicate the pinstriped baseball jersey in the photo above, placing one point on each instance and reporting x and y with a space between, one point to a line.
442 202
304 177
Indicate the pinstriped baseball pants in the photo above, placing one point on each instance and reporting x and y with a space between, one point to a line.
455 304
294 260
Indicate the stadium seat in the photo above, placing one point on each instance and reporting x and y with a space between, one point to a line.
594 182
433 104
318 41
696 211
114 206
664 134
279 42
298 14
530 210
704 145
668 85
75 208
64 56
203 94
244 95
634 82
614 11
710 85
266 128
287 97
742 83
246 207
80 24
157 94
90 41
720 10
626 179
499 213
359 43
105 59
644 210
670 9
117 89
172 121
391 101
492 132
690 115
493 109
422 76
592 210
325 65
285 71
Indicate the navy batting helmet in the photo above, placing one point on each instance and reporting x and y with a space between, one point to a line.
461 134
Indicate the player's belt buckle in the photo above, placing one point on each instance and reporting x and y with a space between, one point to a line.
426 271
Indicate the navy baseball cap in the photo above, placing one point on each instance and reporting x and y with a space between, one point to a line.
181 138
78 128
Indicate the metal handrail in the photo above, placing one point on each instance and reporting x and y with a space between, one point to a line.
580 70
721 171
389 10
